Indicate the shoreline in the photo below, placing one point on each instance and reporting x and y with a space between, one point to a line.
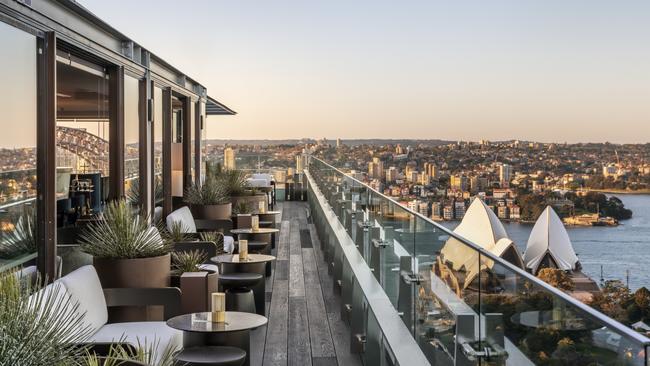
639 192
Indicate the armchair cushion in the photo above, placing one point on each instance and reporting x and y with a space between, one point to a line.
183 215
228 244
142 334
84 287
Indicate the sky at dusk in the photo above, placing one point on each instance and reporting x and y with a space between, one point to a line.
553 70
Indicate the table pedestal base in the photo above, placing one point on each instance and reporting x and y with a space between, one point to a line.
259 288
240 339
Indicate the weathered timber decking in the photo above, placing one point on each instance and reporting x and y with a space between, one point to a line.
305 327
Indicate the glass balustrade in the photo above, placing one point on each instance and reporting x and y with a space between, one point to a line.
462 303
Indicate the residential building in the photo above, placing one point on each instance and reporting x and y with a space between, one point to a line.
459 210
459 182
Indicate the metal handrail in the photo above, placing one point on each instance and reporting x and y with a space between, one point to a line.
553 290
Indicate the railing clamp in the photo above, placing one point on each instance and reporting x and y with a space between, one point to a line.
411 278
378 243
486 353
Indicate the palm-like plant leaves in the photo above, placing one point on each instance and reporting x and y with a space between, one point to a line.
38 326
187 261
122 234
22 239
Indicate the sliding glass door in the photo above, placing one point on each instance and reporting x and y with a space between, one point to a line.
18 147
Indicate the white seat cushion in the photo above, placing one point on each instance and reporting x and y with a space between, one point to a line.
228 244
257 182
84 287
142 334
184 216
55 296
268 177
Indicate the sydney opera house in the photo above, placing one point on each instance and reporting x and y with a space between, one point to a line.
121 243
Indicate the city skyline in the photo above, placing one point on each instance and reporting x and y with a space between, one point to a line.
548 72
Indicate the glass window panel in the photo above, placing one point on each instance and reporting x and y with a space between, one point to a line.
82 142
17 145
192 113
158 146
131 139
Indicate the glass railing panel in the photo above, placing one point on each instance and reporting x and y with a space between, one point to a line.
462 303
525 323
390 238
435 300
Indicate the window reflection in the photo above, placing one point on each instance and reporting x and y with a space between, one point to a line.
17 143
82 140
158 146
131 140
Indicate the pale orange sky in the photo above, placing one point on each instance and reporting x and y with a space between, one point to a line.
535 70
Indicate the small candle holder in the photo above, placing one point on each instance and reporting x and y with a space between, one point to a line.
255 223
261 207
243 250
218 314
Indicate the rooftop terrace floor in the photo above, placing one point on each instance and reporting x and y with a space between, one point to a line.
305 326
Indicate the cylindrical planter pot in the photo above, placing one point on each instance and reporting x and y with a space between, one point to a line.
251 201
213 212
134 273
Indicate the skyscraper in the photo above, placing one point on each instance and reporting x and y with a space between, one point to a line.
505 173
459 182
376 168
391 174
229 158
431 170
300 163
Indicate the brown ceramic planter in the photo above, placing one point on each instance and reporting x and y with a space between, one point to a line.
134 273
213 212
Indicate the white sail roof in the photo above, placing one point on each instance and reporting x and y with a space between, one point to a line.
482 227
549 237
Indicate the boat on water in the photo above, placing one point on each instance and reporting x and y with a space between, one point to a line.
590 220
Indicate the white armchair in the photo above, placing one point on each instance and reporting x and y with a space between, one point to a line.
83 288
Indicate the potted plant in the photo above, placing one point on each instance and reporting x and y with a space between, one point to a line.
237 188
22 239
127 252
209 200
37 327
196 283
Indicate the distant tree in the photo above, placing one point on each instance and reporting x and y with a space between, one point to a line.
614 300
557 278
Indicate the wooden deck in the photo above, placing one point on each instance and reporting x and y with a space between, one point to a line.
304 325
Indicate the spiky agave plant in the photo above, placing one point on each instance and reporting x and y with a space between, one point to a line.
38 326
187 261
209 192
122 234
143 354
215 237
176 233
22 239
234 181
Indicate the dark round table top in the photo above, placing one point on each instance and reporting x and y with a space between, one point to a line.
262 230
201 323
234 258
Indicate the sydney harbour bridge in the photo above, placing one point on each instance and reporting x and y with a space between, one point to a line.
92 149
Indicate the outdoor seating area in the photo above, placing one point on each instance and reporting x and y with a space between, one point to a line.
288 315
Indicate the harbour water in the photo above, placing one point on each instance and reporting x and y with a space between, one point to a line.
616 249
